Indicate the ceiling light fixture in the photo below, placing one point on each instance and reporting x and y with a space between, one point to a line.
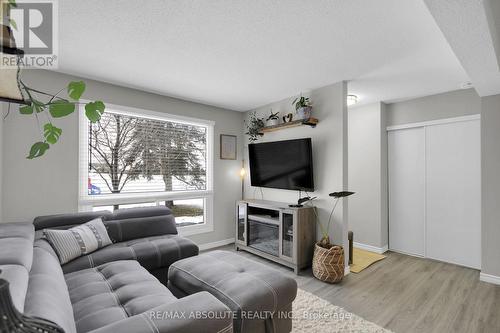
351 100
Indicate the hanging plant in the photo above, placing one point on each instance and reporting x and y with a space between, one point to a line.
42 105
55 107
254 127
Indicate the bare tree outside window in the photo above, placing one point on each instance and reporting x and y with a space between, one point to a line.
176 152
113 151
133 154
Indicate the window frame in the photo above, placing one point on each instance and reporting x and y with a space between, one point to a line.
87 202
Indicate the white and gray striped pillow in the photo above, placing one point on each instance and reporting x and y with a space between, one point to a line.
77 241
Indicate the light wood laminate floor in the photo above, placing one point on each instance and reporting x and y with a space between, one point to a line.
408 294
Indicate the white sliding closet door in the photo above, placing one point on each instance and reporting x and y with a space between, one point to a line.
406 164
453 193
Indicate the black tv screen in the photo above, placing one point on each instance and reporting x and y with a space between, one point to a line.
282 164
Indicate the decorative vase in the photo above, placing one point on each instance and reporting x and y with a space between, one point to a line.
288 118
328 263
273 122
304 113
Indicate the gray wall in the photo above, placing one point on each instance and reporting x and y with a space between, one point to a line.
447 105
329 141
368 175
49 184
490 169
3 111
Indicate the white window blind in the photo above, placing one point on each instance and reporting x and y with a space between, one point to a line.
135 158
134 154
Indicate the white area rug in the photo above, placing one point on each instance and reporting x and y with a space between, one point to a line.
313 314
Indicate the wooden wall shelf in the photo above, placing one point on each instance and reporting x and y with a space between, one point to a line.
309 122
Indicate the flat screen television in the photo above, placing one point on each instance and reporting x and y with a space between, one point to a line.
282 164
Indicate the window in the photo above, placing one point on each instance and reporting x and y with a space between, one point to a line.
187 212
137 158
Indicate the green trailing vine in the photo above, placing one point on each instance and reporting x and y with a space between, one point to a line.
254 127
55 107
39 103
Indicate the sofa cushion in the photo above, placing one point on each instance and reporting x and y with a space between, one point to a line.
21 230
151 252
47 295
17 276
198 313
77 241
122 224
133 223
16 246
65 221
132 213
16 249
113 292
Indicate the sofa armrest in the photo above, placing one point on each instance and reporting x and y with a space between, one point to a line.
200 312
140 227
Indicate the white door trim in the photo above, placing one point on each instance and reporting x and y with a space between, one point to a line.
434 122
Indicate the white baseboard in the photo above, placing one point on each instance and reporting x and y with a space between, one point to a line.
347 270
212 245
371 248
489 278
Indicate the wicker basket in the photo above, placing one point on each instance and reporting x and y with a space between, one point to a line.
328 263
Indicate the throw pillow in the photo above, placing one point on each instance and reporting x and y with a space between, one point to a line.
78 241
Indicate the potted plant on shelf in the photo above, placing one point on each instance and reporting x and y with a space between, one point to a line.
328 259
254 127
303 106
273 119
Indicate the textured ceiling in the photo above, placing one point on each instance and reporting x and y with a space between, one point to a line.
472 28
243 54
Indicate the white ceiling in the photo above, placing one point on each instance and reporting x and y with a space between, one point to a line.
241 54
472 28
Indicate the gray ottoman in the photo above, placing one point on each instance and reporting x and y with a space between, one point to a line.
259 297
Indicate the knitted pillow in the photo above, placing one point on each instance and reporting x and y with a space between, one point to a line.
78 241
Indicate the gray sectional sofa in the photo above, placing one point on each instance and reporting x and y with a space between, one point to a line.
119 288
148 235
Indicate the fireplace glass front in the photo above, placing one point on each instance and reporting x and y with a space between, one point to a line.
264 237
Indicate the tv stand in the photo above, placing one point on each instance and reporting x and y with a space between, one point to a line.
295 206
276 231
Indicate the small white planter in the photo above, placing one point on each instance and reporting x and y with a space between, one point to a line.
273 122
304 113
